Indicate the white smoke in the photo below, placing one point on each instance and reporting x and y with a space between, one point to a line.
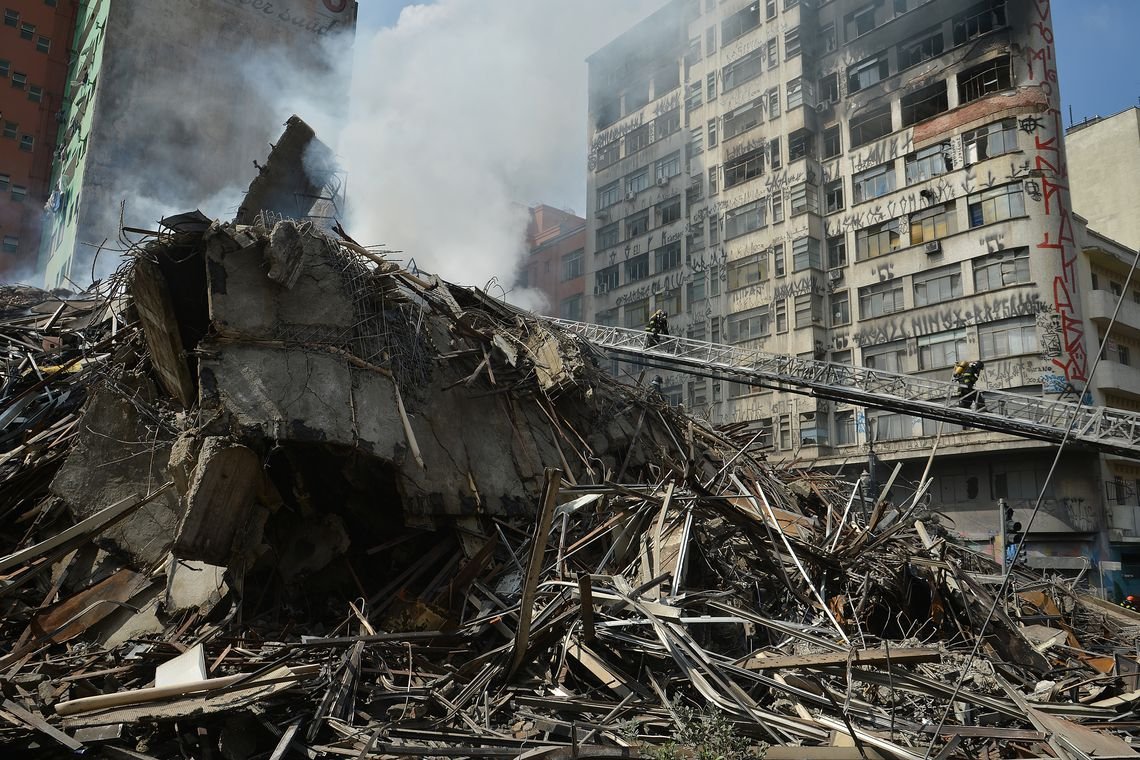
463 113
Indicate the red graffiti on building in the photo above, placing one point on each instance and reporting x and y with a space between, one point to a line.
1050 164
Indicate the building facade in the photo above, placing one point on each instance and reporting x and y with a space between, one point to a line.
1104 163
170 105
878 182
34 42
555 265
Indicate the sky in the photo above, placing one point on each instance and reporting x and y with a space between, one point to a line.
465 112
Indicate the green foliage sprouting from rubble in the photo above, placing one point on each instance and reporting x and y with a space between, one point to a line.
705 734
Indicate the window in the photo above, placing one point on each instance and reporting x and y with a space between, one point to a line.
805 254
743 69
670 210
5 68
809 308
670 166
845 428
638 139
695 238
670 301
1008 337
770 9
608 155
606 236
829 88
637 96
888 357
774 153
781 309
870 125
746 325
636 182
637 313
11 244
989 141
842 357
876 240
800 144
881 299
837 251
744 219
890 427
860 22
803 201
981 18
43 44
5 181
932 223
710 87
10 128
11 17
827 36
606 279
35 93
840 307
1001 269
832 142
744 167
773 53
774 103
713 189
638 224
572 265
795 93
714 230
19 81
693 95
792 43
996 204
608 195
710 40
928 163
740 23
696 144
867 72
778 259
924 104
984 79
938 285
813 429
637 268
667 123
873 183
697 292
833 196
740 120
922 48
19 192
777 207
571 308
747 271
668 257
27 31
27 143
711 129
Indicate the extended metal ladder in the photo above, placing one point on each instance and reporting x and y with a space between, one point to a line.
1110 430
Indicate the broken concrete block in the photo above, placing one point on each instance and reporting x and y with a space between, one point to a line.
221 497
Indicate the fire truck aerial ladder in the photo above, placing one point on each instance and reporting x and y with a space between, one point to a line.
1112 431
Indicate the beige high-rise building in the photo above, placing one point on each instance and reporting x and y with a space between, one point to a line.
878 183
1104 174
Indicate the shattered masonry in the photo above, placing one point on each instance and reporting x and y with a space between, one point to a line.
266 492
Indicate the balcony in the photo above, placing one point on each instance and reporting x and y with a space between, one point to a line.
1101 304
1119 378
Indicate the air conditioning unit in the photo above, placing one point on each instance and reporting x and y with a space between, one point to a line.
602 214
662 182
630 195
933 246
835 275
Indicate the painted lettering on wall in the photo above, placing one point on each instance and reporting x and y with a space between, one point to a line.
318 21
950 317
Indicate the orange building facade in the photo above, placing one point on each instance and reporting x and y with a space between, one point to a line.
35 38
556 241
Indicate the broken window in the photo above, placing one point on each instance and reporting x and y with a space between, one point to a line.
800 144
740 23
606 279
860 22
991 140
870 125
1001 269
829 88
925 103
837 251
867 72
873 183
743 69
744 167
980 18
996 204
832 142
927 163
922 48
840 307
833 196
984 79
740 120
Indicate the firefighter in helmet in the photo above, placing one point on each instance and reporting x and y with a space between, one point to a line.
966 375
658 326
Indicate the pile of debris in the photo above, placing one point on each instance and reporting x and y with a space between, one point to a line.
267 494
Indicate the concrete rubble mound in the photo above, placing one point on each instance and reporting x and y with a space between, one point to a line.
267 494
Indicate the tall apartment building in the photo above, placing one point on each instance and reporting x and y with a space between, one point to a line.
555 264
34 43
170 103
1104 164
879 182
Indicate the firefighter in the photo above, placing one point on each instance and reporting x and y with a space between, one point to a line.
966 374
658 326
1129 603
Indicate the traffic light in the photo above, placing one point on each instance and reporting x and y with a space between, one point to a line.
1012 535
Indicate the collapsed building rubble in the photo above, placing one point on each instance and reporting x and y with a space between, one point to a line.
265 493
